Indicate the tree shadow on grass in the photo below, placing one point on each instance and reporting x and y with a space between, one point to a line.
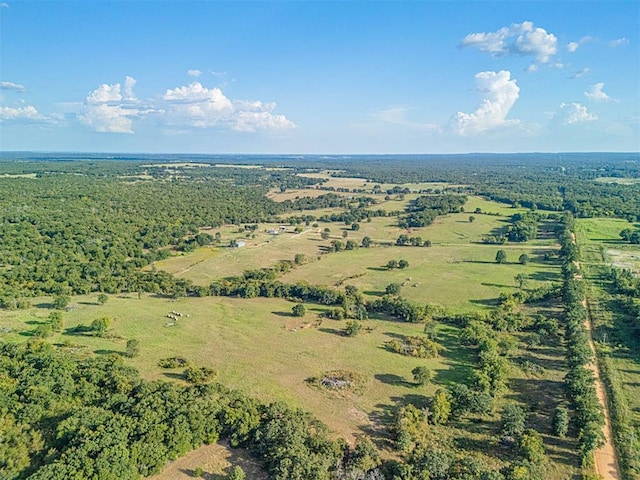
497 285
44 305
332 331
374 293
545 276
392 379
490 302
284 314
174 375
418 401
105 351
36 322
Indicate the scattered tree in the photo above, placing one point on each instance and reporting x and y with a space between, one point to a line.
501 256
392 289
352 328
133 348
99 326
421 375
561 422
440 407
61 301
471 219
366 242
102 299
523 259
403 264
513 418
521 279
299 310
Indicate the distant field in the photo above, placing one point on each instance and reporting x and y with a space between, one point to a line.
461 278
457 271
619 180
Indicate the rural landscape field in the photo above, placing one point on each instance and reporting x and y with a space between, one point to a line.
319 240
421 328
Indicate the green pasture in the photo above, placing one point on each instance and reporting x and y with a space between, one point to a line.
258 347
461 278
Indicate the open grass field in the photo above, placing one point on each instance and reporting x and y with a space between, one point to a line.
257 346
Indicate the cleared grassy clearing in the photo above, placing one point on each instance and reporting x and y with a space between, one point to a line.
258 347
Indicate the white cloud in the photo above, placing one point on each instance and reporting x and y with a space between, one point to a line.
12 86
518 39
572 113
194 72
108 118
197 106
4 5
106 110
500 94
113 108
618 42
22 114
105 93
596 93
580 73
573 46
129 83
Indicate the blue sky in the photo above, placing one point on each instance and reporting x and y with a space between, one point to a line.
320 77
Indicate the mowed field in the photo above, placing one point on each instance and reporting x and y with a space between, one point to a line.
457 271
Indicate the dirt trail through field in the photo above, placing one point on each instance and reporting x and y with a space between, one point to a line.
606 460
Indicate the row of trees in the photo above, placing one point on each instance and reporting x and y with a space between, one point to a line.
579 381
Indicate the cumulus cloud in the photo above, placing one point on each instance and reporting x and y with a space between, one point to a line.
107 110
114 107
194 72
4 5
572 113
596 93
500 94
27 114
201 107
518 39
12 86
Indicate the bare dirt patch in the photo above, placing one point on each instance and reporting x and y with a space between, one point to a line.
215 460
